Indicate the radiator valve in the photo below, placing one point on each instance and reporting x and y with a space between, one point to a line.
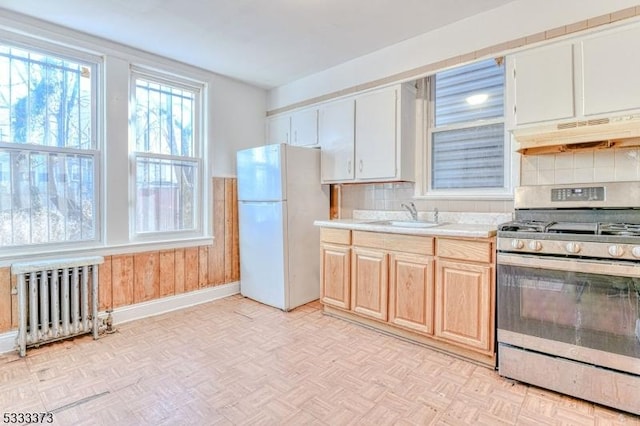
107 324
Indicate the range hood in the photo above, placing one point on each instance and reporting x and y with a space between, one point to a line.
598 133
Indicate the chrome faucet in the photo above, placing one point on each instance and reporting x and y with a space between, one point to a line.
435 215
411 208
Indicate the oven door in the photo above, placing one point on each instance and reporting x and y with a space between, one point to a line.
586 310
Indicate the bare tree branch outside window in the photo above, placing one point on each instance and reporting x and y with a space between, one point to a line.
47 149
165 162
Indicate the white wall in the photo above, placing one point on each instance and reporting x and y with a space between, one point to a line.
509 22
237 122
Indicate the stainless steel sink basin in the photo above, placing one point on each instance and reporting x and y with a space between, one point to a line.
409 223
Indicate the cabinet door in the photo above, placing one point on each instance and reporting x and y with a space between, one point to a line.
376 135
336 133
611 72
369 283
335 275
464 304
304 127
544 87
411 292
278 129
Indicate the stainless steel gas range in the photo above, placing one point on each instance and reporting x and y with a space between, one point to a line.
568 301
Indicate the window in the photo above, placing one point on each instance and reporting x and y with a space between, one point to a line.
48 152
166 160
467 148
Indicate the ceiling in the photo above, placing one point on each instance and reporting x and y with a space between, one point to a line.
263 42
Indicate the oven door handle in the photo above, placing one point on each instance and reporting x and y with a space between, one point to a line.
571 265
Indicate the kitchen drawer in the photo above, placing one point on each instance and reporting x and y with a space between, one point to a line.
476 251
394 242
336 236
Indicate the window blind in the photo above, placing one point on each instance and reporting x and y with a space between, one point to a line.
453 89
468 140
468 158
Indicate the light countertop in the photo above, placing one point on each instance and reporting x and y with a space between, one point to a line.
469 230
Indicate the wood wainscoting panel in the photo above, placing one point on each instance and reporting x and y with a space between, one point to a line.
203 266
223 258
125 279
179 271
105 285
167 273
5 299
231 264
235 242
146 282
122 280
216 252
191 274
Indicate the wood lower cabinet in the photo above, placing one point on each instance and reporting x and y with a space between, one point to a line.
370 282
438 291
335 267
465 294
336 271
411 291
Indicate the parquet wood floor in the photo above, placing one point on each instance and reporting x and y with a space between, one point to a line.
237 362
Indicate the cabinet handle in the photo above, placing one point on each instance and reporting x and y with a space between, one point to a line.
295 137
360 166
349 166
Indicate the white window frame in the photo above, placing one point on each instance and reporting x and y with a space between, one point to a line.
95 64
198 155
428 119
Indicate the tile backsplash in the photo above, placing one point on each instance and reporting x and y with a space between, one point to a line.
610 165
607 165
389 197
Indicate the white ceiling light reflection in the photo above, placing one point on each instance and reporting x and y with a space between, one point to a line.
478 99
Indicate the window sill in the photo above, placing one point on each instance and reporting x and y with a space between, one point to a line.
452 195
101 250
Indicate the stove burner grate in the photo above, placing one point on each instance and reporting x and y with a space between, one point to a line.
525 226
622 229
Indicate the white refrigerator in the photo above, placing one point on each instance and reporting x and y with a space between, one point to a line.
279 197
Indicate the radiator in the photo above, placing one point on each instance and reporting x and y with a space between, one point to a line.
56 299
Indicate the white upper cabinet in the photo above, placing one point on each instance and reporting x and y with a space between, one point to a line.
611 72
374 144
278 129
336 135
543 84
385 134
376 135
297 128
588 78
304 127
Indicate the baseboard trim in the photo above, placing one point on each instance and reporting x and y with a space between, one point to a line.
167 304
8 340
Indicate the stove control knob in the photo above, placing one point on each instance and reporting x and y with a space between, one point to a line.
572 247
636 251
616 251
535 245
517 244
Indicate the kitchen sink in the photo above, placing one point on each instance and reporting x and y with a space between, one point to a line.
409 223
